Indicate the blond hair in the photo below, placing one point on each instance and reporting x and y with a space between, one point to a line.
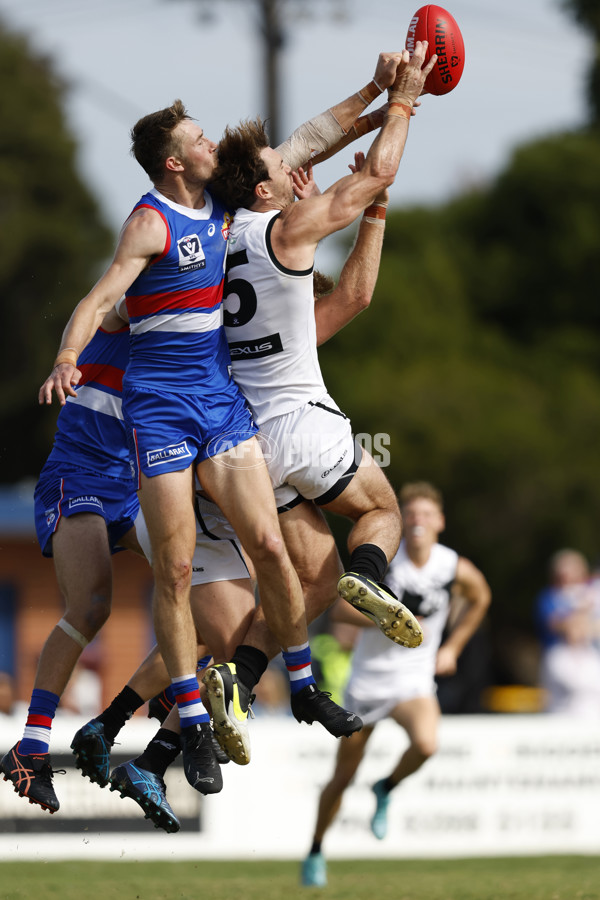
420 490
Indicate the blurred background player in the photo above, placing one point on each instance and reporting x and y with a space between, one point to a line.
387 680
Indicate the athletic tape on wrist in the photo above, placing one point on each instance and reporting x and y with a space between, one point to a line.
399 97
71 632
370 92
375 214
68 355
399 111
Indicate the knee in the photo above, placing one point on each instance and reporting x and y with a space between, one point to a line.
268 548
90 620
173 575
426 747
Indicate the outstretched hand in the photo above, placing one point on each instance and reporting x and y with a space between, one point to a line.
359 161
412 73
386 70
304 183
62 379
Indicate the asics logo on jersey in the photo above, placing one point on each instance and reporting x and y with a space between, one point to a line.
166 454
191 254
85 500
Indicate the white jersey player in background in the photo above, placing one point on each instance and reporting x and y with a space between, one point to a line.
387 680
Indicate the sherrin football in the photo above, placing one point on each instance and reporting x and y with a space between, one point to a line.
436 25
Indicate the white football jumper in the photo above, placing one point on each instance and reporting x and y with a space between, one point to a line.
269 318
269 322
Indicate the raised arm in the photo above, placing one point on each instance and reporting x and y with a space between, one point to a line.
143 236
474 589
358 277
329 132
301 226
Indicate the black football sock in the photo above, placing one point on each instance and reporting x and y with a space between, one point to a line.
250 664
369 560
120 710
387 784
163 749
316 847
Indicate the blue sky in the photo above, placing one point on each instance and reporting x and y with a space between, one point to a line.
524 77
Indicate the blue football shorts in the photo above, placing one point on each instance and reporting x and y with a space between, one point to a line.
168 432
64 490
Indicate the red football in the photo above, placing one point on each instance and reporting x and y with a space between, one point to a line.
436 25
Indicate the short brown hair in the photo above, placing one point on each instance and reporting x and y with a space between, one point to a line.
420 490
240 166
152 140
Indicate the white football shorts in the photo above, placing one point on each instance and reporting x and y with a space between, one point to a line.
218 555
311 450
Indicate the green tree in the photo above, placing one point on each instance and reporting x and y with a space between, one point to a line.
53 241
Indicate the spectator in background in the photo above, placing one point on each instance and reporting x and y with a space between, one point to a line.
568 620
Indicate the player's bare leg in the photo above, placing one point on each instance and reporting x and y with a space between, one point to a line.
167 504
85 582
420 719
369 501
314 555
349 756
240 484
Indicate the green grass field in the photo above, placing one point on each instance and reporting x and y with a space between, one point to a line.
527 878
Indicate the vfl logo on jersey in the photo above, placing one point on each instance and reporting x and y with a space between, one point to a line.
264 346
166 454
226 226
191 254
85 500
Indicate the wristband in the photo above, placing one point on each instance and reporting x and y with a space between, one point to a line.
370 92
375 214
68 355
